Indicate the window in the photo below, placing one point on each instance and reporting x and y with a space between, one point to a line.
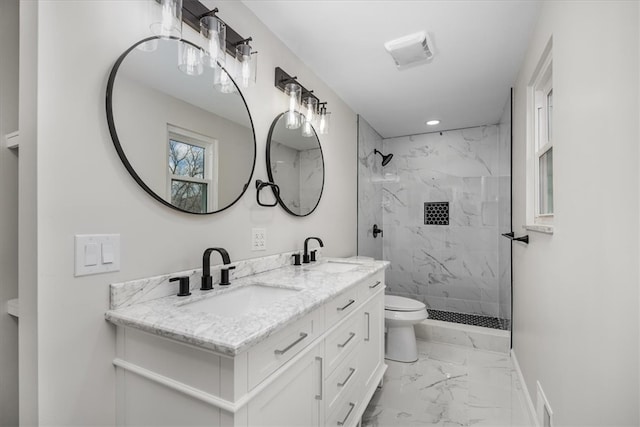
192 168
540 207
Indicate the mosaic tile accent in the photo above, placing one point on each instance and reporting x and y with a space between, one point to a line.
470 319
436 213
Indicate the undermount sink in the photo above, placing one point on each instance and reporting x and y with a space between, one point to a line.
240 301
334 267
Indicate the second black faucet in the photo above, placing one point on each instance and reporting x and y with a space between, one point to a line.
207 280
306 258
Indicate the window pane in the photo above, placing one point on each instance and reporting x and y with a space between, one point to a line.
189 196
546 182
186 159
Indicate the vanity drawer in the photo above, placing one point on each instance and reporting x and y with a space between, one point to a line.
340 343
346 410
343 379
341 306
269 355
371 285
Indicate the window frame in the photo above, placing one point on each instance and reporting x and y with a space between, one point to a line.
540 141
210 146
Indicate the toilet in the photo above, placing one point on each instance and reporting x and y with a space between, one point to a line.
400 314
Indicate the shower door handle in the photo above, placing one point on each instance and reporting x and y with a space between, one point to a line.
377 231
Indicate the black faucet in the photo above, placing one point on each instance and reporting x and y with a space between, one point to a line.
305 258
207 281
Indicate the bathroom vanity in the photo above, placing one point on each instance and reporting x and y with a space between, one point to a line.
293 345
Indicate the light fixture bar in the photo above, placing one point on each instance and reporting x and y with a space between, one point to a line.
193 10
282 78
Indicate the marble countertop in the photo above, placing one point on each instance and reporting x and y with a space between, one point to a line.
232 335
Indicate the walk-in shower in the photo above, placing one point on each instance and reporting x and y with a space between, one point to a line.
443 203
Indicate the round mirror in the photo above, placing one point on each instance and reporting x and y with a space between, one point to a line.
295 163
189 145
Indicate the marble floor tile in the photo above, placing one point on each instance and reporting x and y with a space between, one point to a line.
449 385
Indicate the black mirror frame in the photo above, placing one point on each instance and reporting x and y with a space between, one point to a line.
270 174
120 150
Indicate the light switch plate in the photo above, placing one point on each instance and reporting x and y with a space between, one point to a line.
91 257
258 239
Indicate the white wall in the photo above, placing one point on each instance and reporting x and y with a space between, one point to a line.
27 212
8 212
575 326
78 43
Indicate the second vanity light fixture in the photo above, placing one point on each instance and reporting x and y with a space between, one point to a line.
218 41
304 108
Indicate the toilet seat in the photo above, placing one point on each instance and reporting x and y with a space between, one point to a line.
395 303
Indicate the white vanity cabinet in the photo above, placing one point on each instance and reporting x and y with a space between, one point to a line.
294 398
321 369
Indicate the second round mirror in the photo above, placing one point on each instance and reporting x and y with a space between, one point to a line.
296 164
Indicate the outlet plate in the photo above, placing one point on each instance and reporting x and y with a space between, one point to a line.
258 239
97 253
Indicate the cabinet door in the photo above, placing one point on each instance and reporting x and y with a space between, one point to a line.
293 399
373 345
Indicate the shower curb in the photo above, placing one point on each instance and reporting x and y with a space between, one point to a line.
464 335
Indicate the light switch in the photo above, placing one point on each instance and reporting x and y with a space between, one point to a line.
107 253
90 254
96 253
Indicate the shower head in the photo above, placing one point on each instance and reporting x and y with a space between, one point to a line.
385 158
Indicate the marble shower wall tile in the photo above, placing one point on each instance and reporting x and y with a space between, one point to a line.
370 199
454 267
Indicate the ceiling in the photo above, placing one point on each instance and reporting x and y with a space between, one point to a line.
479 46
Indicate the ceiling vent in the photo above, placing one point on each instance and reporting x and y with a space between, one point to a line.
410 50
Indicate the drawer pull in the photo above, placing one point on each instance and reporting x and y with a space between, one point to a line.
346 380
368 326
341 423
376 285
283 351
351 335
351 301
319 396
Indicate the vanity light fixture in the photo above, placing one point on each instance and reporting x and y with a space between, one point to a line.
323 119
246 63
190 59
217 40
213 32
222 81
314 113
310 104
294 93
167 22
433 122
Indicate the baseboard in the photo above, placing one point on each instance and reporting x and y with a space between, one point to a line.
531 409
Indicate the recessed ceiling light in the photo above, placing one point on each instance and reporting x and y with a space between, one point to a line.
433 122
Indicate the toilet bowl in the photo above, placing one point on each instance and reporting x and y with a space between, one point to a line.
400 314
